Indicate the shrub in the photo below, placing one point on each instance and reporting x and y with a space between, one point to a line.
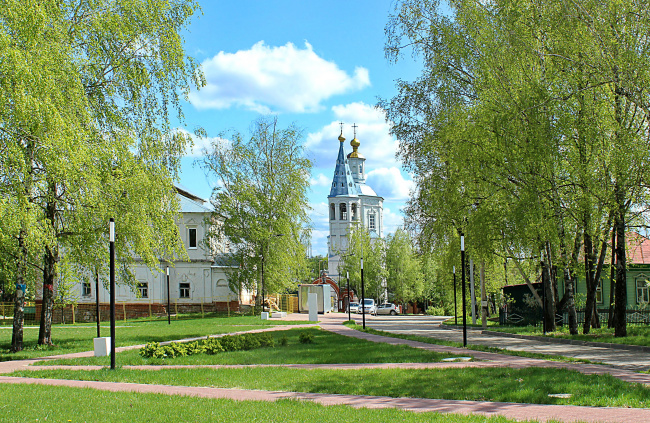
306 338
247 341
284 341
213 346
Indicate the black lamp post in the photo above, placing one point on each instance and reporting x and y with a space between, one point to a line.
169 315
97 301
462 259
455 306
111 243
363 296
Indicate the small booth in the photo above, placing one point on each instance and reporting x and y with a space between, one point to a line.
326 297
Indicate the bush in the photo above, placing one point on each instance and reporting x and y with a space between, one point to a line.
436 311
247 341
213 346
306 338
284 341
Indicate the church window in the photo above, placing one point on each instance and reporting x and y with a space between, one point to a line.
360 168
191 234
350 184
344 211
184 290
354 211
342 185
332 212
371 222
143 289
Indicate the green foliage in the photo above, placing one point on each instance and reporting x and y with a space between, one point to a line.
405 279
372 252
261 200
284 341
306 338
244 342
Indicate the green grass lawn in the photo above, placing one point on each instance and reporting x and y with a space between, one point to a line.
60 404
327 348
531 385
636 334
79 337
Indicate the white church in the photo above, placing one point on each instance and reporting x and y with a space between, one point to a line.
351 203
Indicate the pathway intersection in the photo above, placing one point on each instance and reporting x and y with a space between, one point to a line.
332 323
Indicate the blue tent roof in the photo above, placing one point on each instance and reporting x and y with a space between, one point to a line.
343 184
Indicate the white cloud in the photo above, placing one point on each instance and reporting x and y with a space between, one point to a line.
392 221
320 180
377 145
390 183
266 78
199 144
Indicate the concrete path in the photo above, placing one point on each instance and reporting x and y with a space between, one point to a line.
430 327
332 323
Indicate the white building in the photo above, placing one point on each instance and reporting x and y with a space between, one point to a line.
197 285
351 202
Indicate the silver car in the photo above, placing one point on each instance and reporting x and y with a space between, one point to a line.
368 306
387 308
354 307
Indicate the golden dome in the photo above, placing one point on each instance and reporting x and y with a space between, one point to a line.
355 146
341 137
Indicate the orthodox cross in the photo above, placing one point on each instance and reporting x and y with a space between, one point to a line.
355 129
341 123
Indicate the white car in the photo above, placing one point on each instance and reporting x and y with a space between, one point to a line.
354 307
387 308
368 306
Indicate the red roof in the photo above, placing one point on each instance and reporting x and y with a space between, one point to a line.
638 248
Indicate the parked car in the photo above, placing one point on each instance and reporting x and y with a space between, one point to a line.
354 307
368 305
388 308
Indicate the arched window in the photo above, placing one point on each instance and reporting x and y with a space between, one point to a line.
344 211
332 212
354 211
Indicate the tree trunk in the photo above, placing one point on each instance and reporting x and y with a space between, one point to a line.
589 277
50 259
620 320
19 295
612 281
549 310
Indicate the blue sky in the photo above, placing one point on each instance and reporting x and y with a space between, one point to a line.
313 63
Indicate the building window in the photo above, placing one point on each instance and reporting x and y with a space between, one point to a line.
191 234
85 289
360 167
599 291
143 289
642 290
344 211
371 222
332 212
184 290
354 211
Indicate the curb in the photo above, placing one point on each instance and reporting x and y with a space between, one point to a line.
567 341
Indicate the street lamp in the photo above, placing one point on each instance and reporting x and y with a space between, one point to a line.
462 259
111 248
363 296
169 316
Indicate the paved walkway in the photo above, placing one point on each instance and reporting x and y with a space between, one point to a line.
430 327
332 323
